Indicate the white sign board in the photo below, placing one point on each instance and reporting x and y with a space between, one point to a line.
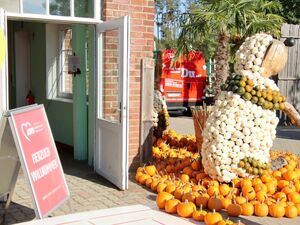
129 215
74 64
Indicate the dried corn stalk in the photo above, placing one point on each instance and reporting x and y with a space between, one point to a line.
200 115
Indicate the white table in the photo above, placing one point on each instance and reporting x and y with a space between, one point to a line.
129 215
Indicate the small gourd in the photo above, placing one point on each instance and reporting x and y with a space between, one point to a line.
276 210
234 209
186 209
247 209
261 209
202 200
199 215
291 211
214 203
162 198
212 218
171 205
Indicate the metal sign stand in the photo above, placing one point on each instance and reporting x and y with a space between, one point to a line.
9 163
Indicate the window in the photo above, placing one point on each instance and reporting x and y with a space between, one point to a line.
58 47
64 79
69 8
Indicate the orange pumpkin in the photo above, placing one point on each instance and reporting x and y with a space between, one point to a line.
142 178
224 189
199 215
248 192
282 183
266 178
154 185
281 196
161 187
246 183
188 171
202 200
291 211
138 174
298 208
186 209
171 188
288 189
190 196
260 196
171 205
170 169
149 182
261 209
151 170
215 203
234 209
225 222
162 198
200 176
260 187
184 178
212 190
256 181
277 174
178 193
198 187
195 165
226 202
238 223
297 186
271 187
247 209
186 188
294 197
276 210
140 169
212 218
240 200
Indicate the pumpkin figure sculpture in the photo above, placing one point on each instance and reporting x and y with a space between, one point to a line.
241 127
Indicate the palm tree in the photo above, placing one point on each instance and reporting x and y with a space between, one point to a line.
227 20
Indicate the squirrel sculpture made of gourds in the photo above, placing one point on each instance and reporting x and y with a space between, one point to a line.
241 127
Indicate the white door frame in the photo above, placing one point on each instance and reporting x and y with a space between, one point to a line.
4 67
122 24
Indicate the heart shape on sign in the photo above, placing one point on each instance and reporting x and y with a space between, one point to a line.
25 127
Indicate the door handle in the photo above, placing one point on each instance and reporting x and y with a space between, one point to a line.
120 112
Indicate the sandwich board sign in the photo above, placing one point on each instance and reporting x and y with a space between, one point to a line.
9 162
39 158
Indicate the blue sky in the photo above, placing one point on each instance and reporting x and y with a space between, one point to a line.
182 8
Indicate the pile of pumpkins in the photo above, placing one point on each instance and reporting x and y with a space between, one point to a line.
185 189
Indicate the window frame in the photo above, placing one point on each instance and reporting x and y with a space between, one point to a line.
60 73
20 15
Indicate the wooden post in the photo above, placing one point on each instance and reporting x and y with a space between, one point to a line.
146 128
158 70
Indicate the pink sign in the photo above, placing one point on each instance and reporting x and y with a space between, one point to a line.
39 158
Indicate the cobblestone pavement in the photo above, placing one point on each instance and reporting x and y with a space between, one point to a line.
89 191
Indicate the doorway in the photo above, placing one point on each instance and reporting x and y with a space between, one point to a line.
19 64
107 130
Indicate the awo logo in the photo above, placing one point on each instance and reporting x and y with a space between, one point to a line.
27 130
189 73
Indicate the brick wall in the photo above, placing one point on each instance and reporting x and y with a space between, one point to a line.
141 13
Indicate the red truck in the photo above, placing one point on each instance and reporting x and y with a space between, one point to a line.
183 81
